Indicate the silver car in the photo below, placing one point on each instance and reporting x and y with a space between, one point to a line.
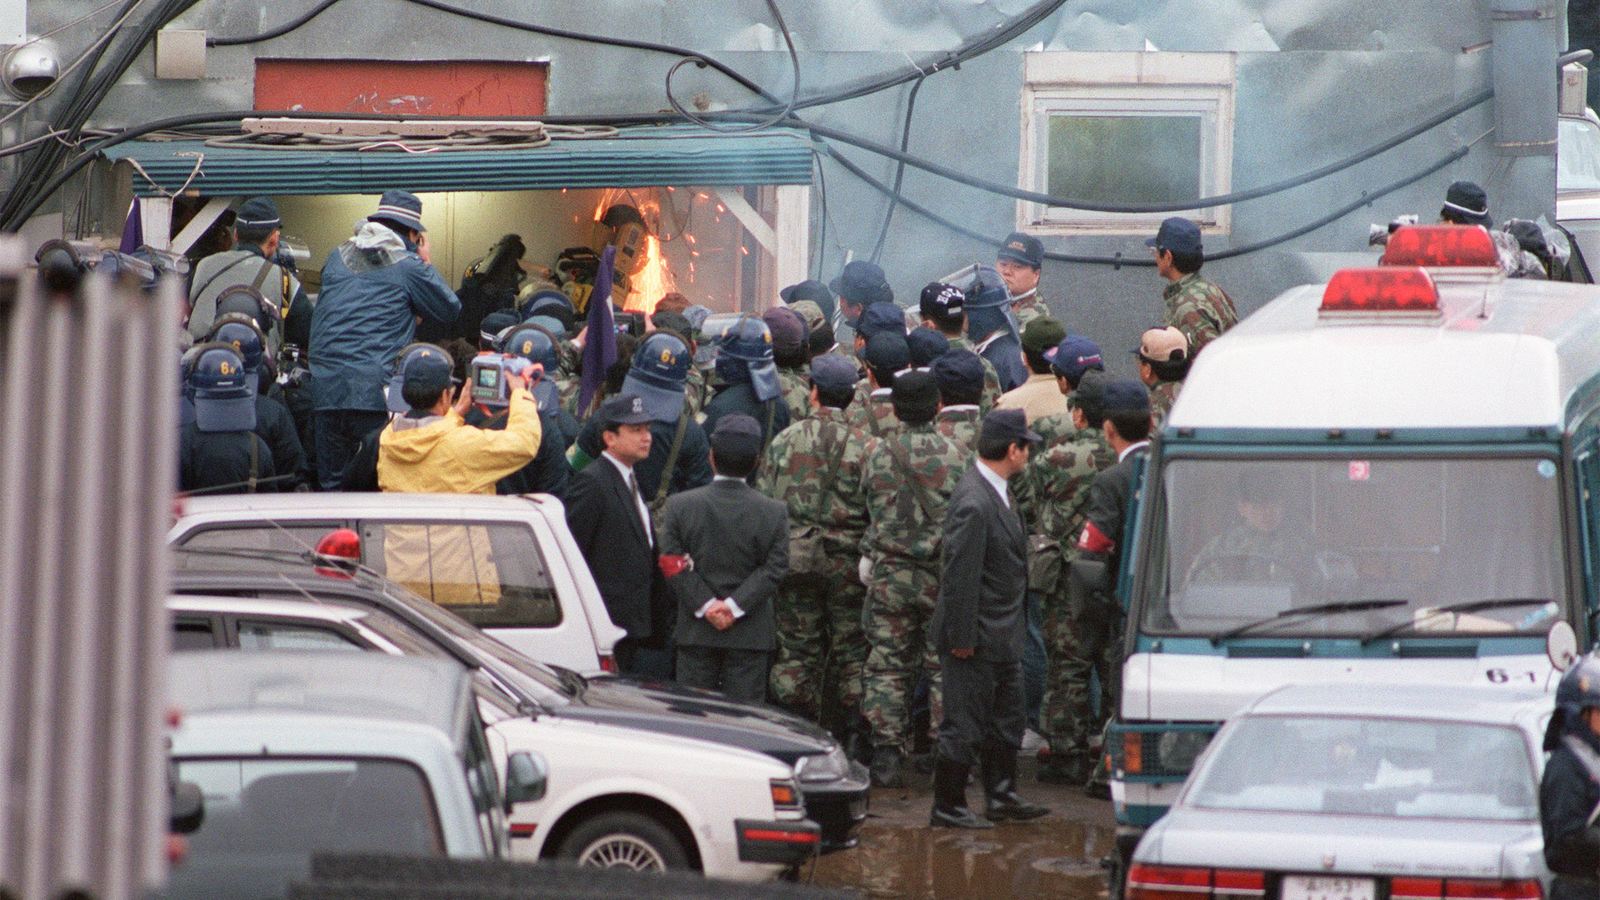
1377 792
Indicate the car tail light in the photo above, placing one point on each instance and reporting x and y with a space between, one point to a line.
608 663
1464 889
1147 882
338 553
1441 246
1383 290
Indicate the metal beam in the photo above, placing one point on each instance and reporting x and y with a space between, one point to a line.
753 222
202 221
155 218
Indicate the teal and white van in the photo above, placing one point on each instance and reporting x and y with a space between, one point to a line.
1390 477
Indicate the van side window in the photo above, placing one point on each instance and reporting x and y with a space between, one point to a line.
1588 465
233 543
490 573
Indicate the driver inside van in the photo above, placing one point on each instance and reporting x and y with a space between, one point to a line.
1264 545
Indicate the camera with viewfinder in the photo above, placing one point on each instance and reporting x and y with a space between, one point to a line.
491 384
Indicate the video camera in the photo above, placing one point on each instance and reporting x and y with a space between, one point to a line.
294 371
489 372
630 322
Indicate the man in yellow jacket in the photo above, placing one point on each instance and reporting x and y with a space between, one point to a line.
431 449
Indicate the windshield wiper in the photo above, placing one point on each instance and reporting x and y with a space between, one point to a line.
1464 607
1320 609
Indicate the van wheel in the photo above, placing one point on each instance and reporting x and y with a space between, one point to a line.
624 840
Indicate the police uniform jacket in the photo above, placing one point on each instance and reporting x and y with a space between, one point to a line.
224 462
1568 797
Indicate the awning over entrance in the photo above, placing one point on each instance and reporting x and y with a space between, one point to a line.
639 157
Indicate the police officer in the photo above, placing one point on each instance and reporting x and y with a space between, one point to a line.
1194 306
926 346
1569 796
547 472
749 379
791 350
992 329
694 384
959 374
943 308
907 480
815 467
679 455
273 422
858 286
979 629
886 356
1019 262
253 261
218 449
877 318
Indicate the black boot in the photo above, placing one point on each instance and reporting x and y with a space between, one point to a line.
887 763
1065 768
1001 801
950 797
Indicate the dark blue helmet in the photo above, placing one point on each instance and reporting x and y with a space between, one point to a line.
659 371
747 339
548 301
224 393
1580 686
242 298
241 332
533 343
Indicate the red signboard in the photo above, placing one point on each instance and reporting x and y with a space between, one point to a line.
404 88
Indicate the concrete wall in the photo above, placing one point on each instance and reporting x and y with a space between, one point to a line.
1317 80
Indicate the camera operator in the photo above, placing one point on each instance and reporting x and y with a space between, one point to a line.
431 449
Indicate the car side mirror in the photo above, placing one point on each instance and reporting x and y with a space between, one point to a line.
1561 645
527 777
188 808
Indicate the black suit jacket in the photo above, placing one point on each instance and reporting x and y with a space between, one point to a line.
739 540
984 577
605 522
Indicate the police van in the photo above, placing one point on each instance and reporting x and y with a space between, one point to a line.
1384 478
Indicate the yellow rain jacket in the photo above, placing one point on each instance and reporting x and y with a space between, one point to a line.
451 564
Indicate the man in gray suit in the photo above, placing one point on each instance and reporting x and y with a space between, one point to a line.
979 627
724 549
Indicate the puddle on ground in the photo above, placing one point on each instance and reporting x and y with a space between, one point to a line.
1052 857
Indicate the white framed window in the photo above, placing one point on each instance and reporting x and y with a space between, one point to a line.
1125 128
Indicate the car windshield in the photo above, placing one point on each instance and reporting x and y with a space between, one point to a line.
1356 546
1578 155
264 818
1371 767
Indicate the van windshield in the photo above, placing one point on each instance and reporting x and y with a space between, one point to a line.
1377 545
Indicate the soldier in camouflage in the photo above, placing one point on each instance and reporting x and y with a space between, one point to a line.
926 346
791 350
859 286
1258 548
907 480
959 374
886 356
1163 356
942 310
1194 306
1020 261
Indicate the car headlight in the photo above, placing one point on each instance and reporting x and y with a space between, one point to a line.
820 767
1178 750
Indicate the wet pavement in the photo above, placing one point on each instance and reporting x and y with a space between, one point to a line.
900 856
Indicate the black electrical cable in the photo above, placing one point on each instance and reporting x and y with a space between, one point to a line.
269 34
702 62
1118 261
899 170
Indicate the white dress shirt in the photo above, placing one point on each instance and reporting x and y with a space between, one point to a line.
996 482
638 499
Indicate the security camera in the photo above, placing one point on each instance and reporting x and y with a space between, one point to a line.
30 68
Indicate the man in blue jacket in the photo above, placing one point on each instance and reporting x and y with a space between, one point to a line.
374 288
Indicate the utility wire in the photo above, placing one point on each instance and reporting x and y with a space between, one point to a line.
702 62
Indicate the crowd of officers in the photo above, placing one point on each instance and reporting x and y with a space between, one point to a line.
860 417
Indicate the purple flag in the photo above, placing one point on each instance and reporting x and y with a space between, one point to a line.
132 230
600 344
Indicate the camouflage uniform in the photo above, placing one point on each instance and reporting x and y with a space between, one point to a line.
1162 396
872 412
796 389
1052 494
902 545
1243 553
991 378
821 645
960 425
695 390
1199 309
1029 308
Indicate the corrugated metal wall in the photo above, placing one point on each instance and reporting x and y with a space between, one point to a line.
88 399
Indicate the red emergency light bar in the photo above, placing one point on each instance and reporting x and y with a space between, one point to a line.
1441 246
1382 290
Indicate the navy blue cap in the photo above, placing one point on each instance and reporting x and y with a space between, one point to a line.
887 351
1076 355
427 369
1468 202
1124 395
224 393
915 397
862 283
880 317
941 302
926 346
1022 248
492 324
623 409
736 435
400 207
1178 235
812 290
959 373
1008 426
833 372
258 215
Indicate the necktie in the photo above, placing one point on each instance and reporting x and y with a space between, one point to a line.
633 491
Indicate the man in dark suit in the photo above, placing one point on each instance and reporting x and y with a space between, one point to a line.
724 549
979 627
611 524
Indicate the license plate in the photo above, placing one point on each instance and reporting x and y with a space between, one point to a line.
1328 887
